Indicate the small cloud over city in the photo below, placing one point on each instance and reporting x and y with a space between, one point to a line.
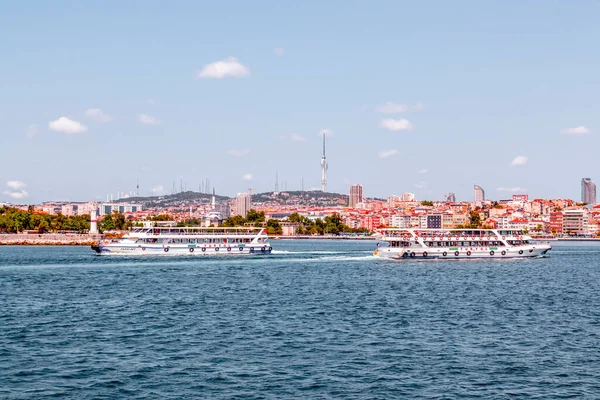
326 132
511 189
396 124
97 115
388 153
247 177
279 51
68 126
518 161
16 190
32 130
294 137
395 108
224 68
239 153
578 130
148 119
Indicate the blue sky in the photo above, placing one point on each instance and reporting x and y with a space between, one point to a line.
426 97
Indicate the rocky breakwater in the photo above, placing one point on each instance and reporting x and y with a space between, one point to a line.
48 239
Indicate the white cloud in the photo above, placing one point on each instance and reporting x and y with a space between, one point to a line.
279 51
422 171
148 119
32 130
395 124
519 160
97 115
16 189
326 132
66 125
149 101
15 185
221 69
578 130
19 194
394 108
388 153
511 189
239 153
247 177
421 185
294 137
158 189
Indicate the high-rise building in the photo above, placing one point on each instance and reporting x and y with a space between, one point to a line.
450 197
479 195
588 191
243 202
324 168
356 195
407 196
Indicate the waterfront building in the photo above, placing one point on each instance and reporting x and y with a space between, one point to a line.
434 221
556 222
400 221
520 198
575 222
356 195
243 203
478 195
109 208
588 191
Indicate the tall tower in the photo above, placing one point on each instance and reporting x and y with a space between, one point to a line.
356 195
276 181
478 195
588 191
323 168
213 201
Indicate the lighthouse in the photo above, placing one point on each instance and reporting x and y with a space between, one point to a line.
93 223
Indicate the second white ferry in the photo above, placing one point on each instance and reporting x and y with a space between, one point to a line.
189 240
457 244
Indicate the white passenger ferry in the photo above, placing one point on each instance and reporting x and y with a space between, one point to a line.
194 240
457 244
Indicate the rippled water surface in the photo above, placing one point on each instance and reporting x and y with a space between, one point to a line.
318 319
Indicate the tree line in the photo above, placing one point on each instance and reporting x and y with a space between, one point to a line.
14 220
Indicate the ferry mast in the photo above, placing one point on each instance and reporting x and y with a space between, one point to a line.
323 168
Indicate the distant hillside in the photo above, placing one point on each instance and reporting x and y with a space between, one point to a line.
173 199
316 198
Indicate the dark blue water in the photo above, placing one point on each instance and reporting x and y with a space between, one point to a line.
317 320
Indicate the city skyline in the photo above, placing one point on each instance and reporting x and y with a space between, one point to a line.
89 114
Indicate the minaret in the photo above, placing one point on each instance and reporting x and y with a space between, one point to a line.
323 168
213 202
276 181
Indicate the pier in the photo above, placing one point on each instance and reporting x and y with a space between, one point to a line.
48 239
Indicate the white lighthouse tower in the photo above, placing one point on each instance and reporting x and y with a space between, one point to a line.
323 168
93 223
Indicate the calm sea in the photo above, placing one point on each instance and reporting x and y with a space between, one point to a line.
317 320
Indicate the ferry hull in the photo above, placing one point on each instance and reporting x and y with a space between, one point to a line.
180 250
453 254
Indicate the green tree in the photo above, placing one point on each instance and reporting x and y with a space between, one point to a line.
255 217
427 203
274 227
